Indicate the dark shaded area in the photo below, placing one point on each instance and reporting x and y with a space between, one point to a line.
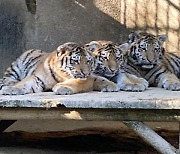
77 143
31 6
4 124
82 141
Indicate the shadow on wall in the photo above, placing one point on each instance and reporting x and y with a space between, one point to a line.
155 16
59 21
83 21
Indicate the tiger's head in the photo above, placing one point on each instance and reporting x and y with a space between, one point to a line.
109 57
74 61
146 50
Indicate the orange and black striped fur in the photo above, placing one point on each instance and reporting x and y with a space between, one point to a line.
110 58
147 58
67 70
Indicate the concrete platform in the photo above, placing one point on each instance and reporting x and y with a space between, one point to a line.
153 98
131 108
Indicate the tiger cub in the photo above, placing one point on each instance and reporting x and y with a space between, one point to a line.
110 59
67 70
146 57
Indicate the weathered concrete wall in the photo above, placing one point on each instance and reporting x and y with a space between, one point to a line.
155 16
12 38
59 21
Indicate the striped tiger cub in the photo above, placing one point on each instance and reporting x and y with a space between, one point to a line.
110 58
65 71
146 57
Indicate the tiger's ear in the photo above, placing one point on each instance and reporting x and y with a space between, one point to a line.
124 47
162 38
133 37
92 46
61 50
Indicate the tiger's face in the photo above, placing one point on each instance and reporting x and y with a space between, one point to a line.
108 56
75 61
146 49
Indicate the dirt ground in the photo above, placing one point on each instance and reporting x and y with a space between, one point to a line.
53 137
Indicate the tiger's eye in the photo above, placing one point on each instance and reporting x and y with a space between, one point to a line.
71 67
156 45
143 45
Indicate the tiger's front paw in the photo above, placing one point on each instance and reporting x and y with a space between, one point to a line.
141 85
10 90
62 90
111 87
174 86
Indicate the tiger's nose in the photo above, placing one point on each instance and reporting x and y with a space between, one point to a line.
155 61
147 62
85 74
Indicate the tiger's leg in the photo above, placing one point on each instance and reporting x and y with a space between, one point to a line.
7 82
9 79
73 86
130 82
31 84
168 81
105 85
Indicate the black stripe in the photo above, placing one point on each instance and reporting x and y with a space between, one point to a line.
10 75
132 68
62 61
51 71
158 74
18 67
70 53
14 71
42 83
33 90
171 54
175 60
30 52
66 59
30 67
171 65
152 72
31 60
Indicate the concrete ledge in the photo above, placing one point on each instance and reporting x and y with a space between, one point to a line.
154 98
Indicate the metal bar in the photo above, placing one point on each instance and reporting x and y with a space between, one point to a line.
151 137
4 124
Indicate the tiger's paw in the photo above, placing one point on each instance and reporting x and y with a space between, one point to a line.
61 90
134 87
10 90
174 86
111 87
